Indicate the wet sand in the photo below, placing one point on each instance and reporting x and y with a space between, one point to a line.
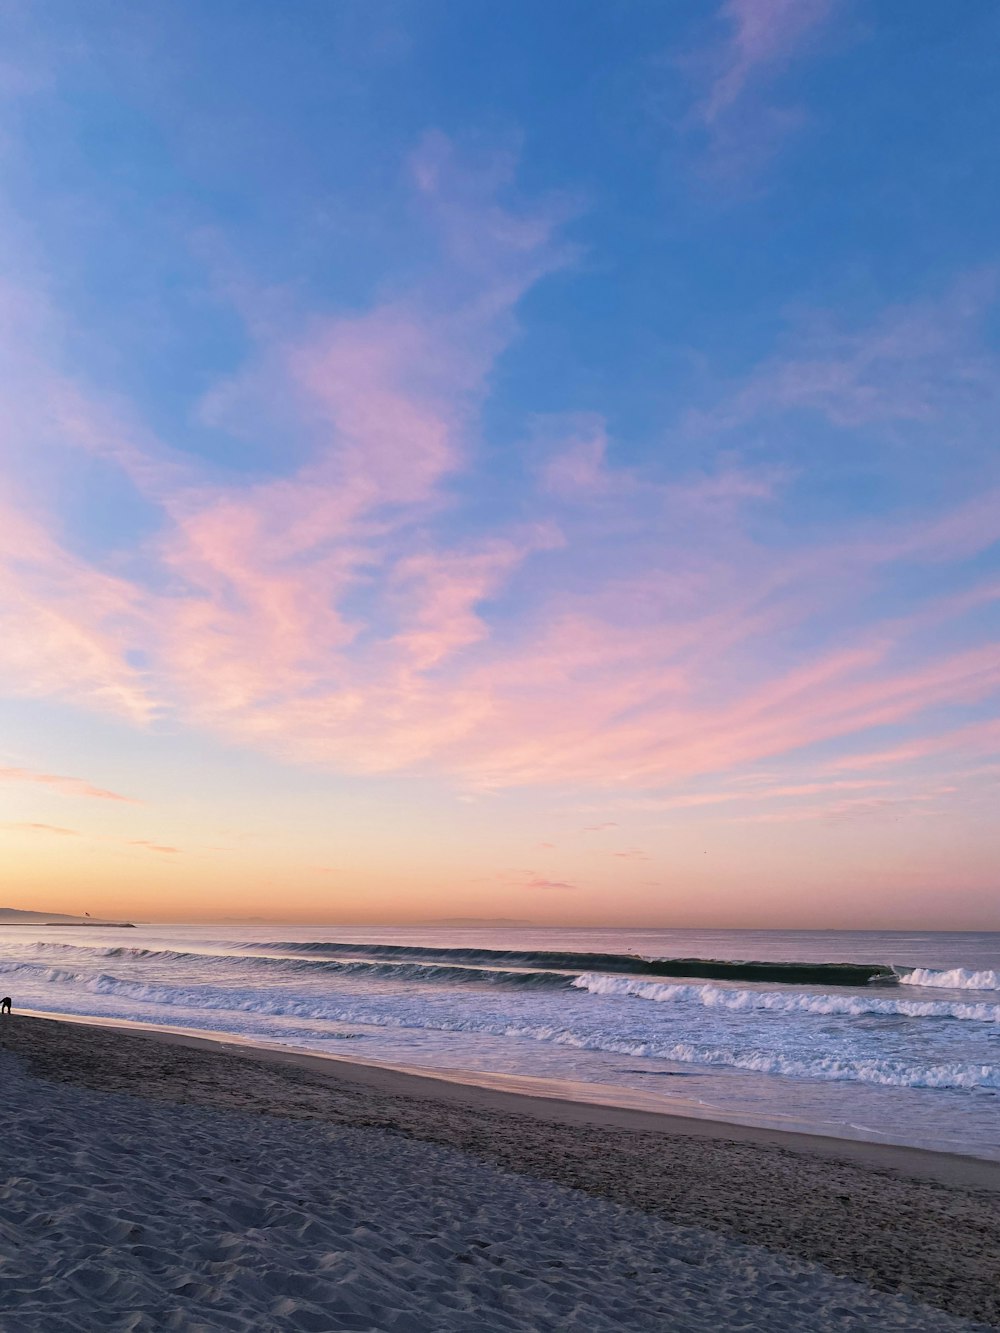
767 1212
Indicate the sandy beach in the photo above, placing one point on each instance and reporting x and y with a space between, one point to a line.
155 1182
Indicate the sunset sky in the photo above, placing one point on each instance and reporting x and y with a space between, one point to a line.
501 459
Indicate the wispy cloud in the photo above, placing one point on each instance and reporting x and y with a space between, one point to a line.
540 882
63 623
531 879
763 37
29 827
66 785
978 738
908 364
743 124
612 629
840 812
33 826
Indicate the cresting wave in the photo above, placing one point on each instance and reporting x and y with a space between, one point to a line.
709 969
542 967
718 997
429 973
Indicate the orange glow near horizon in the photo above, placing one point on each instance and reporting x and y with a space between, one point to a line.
637 869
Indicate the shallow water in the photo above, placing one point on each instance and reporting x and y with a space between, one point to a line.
912 1056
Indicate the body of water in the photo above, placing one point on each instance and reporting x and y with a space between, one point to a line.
883 1035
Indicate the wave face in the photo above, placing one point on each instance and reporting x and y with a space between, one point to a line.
792 973
437 974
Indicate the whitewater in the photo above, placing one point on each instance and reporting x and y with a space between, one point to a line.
881 1035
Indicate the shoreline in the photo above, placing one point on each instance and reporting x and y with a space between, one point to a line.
546 1099
907 1221
571 1104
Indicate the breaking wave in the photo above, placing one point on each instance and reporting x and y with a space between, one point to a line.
956 978
405 972
535 967
718 997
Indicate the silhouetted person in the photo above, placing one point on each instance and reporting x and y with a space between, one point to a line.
5 1005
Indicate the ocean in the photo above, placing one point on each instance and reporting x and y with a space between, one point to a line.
888 1036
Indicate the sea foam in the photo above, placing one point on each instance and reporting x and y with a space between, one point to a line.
719 997
955 978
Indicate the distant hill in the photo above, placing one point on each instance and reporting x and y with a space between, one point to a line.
14 916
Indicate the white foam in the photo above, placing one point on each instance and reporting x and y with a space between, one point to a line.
956 978
722 997
880 1072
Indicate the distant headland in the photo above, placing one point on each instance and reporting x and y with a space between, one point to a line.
14 916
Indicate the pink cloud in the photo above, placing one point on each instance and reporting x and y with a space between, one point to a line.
321 616
389 399
69 786
906 365
487 231
755 794
393 392
531 879
670 735
724 492
540 882
978 738
742 126
625 687
438 594
576 465
764 36
877 808
42 828
65 628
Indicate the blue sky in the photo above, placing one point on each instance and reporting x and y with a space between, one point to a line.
500 420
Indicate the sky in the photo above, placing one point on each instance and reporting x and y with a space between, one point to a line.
519 460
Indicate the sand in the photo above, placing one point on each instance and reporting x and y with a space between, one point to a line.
152 1184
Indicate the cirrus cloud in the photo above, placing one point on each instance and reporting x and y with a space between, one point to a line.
350 607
